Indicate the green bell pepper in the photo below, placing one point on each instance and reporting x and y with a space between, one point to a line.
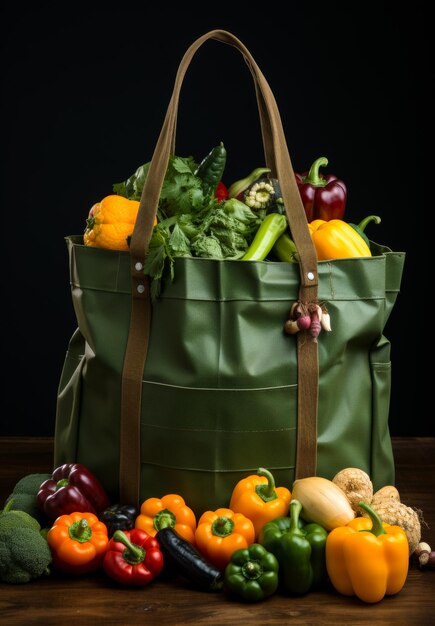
252 573
299 548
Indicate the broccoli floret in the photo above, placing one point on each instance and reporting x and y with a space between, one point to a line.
24 496
30 484
26 502
24 555
15 519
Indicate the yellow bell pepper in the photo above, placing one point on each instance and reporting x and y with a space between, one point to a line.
367 558
111 222
336 239
258 499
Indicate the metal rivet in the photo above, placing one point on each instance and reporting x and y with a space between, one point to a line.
141 288
310 276
138 266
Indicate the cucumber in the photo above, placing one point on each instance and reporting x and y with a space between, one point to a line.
187 561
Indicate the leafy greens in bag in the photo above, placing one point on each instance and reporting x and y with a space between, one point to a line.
192 222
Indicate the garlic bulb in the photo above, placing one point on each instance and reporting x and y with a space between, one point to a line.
322 502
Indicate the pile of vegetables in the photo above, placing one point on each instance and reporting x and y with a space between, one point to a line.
268 539
199 217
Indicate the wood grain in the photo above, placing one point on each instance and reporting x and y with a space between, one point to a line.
94 599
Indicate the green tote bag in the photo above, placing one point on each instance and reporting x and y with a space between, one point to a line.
198 390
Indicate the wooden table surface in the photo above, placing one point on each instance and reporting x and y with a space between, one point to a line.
94 599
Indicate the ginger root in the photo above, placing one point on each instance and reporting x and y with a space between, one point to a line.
392 511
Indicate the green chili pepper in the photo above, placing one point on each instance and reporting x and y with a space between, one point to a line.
270 229
299 548
252 573
285 249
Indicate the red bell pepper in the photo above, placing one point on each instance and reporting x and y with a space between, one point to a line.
323 197
72 488
221 192
133 557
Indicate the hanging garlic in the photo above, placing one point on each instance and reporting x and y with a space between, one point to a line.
325 320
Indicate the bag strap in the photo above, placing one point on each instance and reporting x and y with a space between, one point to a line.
278 159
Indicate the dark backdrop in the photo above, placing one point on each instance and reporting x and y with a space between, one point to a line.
84 95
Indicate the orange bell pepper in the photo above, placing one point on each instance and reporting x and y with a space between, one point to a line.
78 542
111 222
257 498
367 558
169 511
220 533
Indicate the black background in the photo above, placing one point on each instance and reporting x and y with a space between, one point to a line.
84 96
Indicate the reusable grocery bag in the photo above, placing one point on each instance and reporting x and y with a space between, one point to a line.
192 393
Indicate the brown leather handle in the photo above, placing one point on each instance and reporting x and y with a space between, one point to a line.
269 157
278 159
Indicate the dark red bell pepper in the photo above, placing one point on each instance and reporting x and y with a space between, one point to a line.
133 557
323 197
71 488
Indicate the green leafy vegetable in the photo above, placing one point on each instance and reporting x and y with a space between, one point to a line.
178 242
220 231
159 256
191 221
181 190
132 187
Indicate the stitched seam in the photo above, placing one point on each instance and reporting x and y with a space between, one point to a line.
251 470
219 430
153 382
331 282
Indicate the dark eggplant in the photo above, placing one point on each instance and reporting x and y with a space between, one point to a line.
187 561
119 517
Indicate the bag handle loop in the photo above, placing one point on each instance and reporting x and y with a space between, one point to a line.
278 159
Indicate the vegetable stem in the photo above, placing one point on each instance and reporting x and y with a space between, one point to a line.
222 527
313 177
377 528
164 519
266 492
370 218
80 531
133 553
